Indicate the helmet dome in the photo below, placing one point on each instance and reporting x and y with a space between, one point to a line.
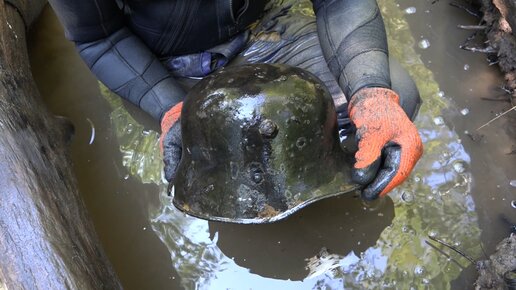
259 142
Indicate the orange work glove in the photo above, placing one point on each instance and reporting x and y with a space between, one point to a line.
388 142
170 140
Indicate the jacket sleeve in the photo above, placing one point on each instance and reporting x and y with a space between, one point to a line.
354 43
116 56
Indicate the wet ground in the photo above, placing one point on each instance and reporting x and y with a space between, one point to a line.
460 191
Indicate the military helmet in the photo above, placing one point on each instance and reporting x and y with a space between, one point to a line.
259 142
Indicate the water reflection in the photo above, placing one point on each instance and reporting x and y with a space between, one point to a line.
334 243
281 250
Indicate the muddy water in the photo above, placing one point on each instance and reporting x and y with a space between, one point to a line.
459 191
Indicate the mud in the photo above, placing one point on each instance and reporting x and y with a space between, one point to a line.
500 18
492 271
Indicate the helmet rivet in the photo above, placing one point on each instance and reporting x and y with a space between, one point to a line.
301 142
268 129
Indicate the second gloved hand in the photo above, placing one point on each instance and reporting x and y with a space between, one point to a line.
389 144
170 141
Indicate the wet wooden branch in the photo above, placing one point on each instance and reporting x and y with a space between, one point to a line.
468 10
472 27
488 49
47 240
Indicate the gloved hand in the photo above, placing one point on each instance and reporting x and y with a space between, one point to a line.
170 140
388 142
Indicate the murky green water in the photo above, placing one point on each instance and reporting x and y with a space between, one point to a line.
458 192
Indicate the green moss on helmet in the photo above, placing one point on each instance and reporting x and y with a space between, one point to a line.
259 142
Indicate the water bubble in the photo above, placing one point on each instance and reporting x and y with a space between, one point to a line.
439 121
425 281
257 177
440 94
459 166
129 128
432 234
513 183
419 270
464 111
410 10
466 67
424 44
407 197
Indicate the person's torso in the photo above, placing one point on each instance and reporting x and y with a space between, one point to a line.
177 27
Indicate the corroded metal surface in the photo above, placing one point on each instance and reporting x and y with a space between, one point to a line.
259 142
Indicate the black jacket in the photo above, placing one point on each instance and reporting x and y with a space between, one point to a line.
122 41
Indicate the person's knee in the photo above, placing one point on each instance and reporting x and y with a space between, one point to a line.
404 85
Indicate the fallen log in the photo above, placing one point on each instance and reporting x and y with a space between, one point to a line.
47 240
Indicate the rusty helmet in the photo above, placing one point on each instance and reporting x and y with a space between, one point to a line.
259 143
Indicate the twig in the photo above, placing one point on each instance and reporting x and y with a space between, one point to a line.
472 27
444 254
452 248
488 49
495 99
484 251
471 12
495 118
507 90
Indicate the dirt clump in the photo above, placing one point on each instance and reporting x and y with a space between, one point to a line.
500 19
491 272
